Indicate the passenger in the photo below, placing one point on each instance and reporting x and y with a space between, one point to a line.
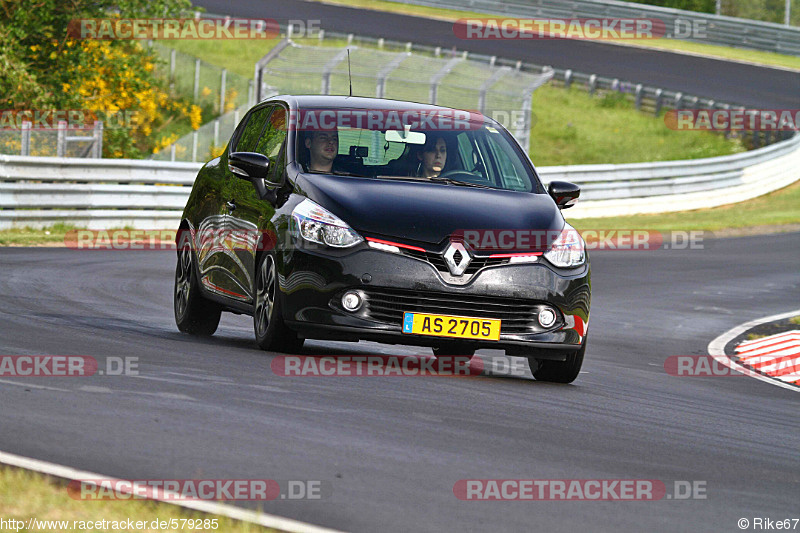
323 147
432 157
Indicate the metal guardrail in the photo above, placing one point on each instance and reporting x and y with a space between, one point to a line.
716 29
114 193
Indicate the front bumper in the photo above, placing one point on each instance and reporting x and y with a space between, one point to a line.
313 282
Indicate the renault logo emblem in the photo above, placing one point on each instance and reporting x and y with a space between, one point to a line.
457 258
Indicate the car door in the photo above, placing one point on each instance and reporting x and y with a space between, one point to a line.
225 267
253 214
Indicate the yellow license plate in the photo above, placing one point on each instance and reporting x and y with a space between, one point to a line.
461 327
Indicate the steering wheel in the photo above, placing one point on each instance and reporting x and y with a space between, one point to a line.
471 177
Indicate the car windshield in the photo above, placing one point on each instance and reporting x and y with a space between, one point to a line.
480 155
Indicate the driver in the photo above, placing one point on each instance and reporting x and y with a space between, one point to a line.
323 147
433 157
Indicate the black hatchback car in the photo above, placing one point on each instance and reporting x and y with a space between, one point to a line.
348 218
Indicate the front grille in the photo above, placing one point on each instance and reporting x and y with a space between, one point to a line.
518 316
437 260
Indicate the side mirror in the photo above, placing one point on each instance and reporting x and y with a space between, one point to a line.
248 165
564 193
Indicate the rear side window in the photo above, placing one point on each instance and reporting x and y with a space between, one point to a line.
273 142
252 130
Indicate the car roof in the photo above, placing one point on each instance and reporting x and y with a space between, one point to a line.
314 101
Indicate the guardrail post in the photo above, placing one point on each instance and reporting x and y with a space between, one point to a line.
321 35
216 132
615 84
196 79
380 43
251 94
97 144
380 89
592 84
61 140
408 46
328 69
289 32
433 95
567 78
349 38
172 152
223 76
638 97
492 61
194 146
25 148
678 99
437 51
659 101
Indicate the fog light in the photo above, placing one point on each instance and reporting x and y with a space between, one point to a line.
547 317
351 301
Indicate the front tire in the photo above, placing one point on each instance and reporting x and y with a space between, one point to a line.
271 332
558 371
193 313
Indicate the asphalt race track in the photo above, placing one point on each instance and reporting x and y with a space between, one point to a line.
392 448
748 85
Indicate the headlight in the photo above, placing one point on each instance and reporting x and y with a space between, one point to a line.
316 224
568 250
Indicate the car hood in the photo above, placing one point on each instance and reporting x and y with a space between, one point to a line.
427 212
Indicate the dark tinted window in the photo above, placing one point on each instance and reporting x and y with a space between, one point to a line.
273 142
252 130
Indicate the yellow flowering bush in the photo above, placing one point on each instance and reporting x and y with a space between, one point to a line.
43 68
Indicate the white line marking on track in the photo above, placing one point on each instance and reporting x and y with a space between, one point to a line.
30 386
237 513
716 348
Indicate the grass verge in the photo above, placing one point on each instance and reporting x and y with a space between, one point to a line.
723 52
574 128
25 495
777 210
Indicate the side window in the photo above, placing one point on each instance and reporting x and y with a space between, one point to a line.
252 130
273 142
274 134
467 152
513 175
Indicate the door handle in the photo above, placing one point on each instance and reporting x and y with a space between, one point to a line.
231 205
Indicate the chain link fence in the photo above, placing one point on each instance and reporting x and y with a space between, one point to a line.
211 87
394 71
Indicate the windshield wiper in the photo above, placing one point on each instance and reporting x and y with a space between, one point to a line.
435 179
408 178
448 181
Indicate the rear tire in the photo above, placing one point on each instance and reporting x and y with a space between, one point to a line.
193 314
558 371
271 332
